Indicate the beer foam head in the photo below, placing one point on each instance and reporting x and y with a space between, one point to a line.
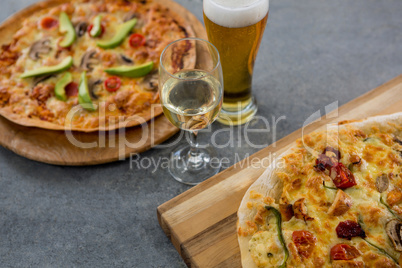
236 13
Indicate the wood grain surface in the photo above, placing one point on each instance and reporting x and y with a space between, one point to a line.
201 222
61 148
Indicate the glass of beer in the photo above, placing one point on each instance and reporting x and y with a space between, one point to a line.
236 28
191 93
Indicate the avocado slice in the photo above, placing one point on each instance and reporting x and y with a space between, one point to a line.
62 66
97 28
84 98
66 27
122 32
59 89
131 71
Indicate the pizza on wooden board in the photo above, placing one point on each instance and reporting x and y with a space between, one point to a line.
333 200
86 65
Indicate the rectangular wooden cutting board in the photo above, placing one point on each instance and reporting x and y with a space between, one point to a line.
201 222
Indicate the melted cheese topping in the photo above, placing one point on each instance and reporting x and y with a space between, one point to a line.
379 152
266 249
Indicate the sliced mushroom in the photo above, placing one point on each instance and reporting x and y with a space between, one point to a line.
81 28
39 47
151 81
394 229
341 204
382 183
92 85
130 16
300 210
88 60
126 60
40 79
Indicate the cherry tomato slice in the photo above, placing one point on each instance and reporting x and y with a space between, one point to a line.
48 23
342 177
90 28
344 252
71 89
348 229
304 242
112 84
137 40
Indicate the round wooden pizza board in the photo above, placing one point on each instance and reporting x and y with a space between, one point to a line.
79 148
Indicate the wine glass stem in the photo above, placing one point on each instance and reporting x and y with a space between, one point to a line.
195 160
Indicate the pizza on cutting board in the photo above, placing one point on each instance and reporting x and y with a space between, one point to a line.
333 200
86 64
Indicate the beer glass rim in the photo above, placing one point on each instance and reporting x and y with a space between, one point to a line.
252 5
209 72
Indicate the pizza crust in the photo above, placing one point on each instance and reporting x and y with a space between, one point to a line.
131 121
12 24
269 184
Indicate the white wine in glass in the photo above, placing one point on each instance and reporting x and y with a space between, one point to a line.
192 102
191 93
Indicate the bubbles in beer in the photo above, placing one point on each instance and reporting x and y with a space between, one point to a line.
236 13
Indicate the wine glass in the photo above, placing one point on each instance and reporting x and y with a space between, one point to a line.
191 93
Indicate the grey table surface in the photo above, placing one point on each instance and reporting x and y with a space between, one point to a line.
314 53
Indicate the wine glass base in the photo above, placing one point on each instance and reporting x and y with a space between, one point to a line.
192 170
238 117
